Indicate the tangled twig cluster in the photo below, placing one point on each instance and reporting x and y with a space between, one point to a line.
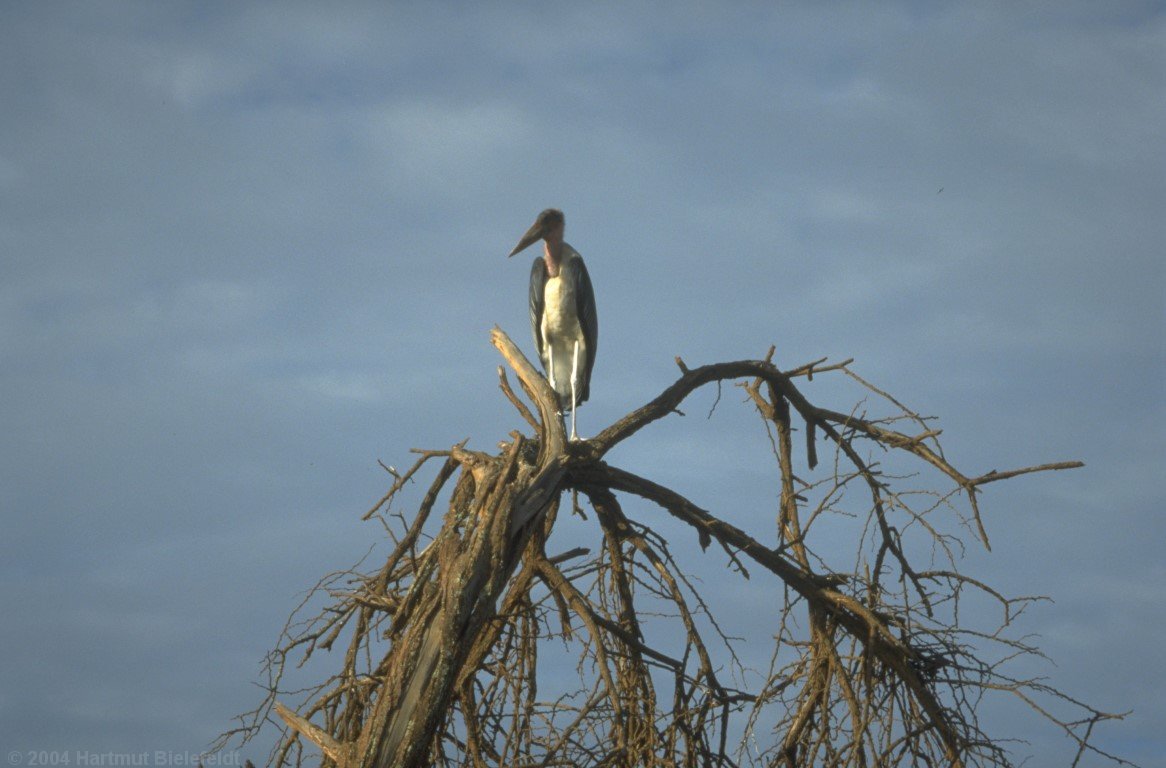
447 643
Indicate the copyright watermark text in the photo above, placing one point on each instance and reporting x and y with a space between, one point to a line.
146 758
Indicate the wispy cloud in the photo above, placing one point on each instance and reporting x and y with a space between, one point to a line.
246 252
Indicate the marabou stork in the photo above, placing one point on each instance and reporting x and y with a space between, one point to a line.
562 312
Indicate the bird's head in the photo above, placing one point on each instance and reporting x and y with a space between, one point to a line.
548 226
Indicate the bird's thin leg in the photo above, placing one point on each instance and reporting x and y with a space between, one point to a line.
574 375
551 365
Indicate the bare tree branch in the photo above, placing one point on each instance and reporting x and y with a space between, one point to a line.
874 661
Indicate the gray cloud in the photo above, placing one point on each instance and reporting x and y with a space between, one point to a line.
247 251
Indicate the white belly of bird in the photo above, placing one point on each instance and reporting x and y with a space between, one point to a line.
560 330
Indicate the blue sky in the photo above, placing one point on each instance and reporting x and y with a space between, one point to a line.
247 249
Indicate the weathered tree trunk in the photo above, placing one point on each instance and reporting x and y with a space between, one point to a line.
499 503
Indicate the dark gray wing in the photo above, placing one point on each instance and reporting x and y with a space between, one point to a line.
538 284
588 320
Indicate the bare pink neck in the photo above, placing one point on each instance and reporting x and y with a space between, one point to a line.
553 256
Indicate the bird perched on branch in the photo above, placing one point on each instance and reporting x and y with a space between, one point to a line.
562 312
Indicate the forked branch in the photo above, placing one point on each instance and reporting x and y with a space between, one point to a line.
451 656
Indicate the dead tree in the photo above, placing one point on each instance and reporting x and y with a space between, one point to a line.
872 663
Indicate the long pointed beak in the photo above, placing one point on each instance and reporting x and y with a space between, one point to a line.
532 235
